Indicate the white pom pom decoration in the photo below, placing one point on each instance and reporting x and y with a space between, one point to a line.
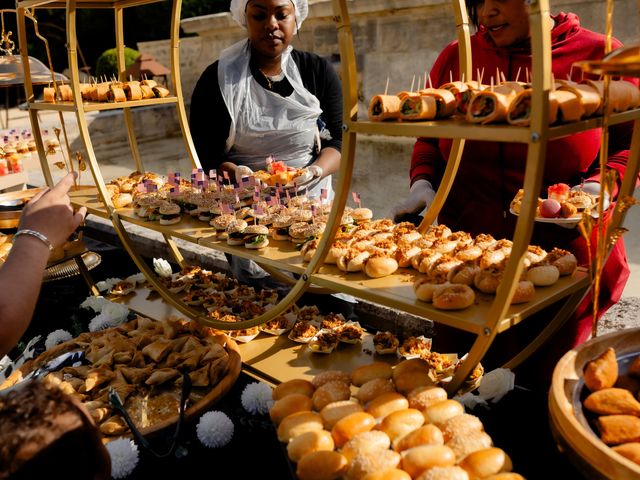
215 429
124 457
257 398
56 337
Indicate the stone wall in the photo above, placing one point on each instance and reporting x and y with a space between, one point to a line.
395 39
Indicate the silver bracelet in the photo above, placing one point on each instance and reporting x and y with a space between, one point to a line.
43 238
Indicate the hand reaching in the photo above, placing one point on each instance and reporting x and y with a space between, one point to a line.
242 171
420 197
50 212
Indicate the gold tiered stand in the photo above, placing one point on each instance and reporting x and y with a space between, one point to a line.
485 320
489 320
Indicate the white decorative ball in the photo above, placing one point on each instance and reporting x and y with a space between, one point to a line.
257 398
124 457
215 429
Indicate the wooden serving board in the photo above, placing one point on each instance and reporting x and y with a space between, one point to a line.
575 437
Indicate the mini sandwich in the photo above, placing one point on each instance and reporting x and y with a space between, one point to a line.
169 213
298 232
235 232
445 101
280 227
384 107
221 223
255 236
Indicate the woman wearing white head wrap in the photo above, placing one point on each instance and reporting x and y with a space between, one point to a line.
263 98
238 11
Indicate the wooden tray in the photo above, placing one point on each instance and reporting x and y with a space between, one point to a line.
569 425
192 413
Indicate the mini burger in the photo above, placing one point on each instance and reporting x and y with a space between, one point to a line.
169 213
298 232
235 232
221 223
280 227
255 236
362 214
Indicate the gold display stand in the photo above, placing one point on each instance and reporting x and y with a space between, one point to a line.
485 320
495 318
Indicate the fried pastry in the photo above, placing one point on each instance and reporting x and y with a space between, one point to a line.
612 401
601 372
629 450
616 429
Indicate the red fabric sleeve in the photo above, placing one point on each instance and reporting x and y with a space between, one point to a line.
426 161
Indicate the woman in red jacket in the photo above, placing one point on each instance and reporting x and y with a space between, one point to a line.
491 173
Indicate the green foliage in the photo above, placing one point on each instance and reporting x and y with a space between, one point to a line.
95 30
107 63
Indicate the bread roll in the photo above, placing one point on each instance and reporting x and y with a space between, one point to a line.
389 474
330 392
444 473
524 292
303 387
425 435
482 463
543 275
295 402
460 425
334 411
331 376
370 462
298 423
380 266
321 465
425 396
453 297
418 459
363 374
464 445
374 388
409 365
505 476
443 411
387 403
373 440
311 441
348 427
411 380
400 423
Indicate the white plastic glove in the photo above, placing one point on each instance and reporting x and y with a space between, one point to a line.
420 197
242 171
593 188
316 170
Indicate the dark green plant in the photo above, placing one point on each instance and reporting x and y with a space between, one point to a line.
107 63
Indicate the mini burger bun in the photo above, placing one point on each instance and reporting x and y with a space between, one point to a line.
321 464
256 230
297 385
362 214
376 267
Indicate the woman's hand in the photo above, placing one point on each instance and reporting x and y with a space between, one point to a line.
50 212
420 197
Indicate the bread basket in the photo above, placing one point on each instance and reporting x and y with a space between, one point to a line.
570 426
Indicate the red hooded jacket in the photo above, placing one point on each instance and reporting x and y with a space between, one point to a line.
491 173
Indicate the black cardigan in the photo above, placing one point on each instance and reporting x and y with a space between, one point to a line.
209 119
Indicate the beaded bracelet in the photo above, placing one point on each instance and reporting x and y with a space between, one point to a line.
36 234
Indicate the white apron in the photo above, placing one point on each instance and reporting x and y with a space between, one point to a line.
264 123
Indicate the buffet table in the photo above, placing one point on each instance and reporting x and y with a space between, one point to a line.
518 421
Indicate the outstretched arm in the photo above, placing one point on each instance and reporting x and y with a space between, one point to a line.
50 215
